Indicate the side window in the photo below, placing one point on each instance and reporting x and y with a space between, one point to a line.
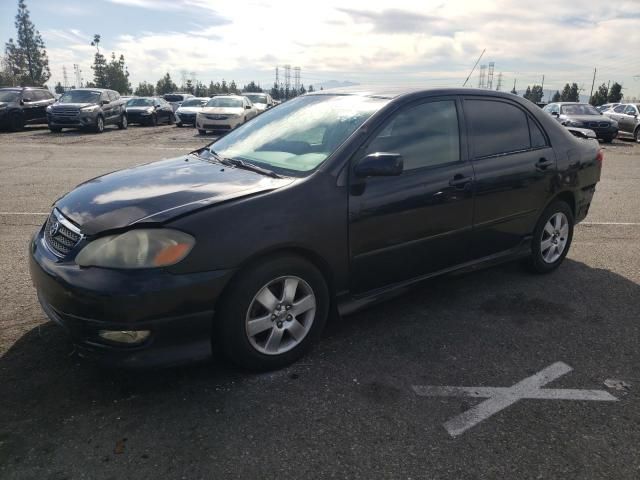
425 135
104 97
630 110
496 127
619 108
46 95
537 137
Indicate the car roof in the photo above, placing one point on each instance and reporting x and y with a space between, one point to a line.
391 92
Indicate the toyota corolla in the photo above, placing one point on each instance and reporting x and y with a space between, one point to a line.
330 201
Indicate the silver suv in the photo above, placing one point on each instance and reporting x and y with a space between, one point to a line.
626 114
87 108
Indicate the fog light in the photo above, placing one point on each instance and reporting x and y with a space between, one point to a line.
130 337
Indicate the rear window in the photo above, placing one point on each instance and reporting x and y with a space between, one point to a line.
496 127
169 97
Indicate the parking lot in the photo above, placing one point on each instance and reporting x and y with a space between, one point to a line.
356 407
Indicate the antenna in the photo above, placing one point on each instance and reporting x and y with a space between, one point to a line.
474 67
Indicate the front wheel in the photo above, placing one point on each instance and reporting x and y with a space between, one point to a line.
551 238
636 135
272 313
99 126
123 123
202 132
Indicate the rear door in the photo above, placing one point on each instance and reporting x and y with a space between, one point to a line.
628 120
420 221
617 112
515 168
30 105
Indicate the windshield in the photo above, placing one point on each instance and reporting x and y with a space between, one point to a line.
9 95
300 134
140 102
579 109
225 102
193 102
173 98
80 96
257 98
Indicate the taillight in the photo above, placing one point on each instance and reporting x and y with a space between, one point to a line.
600 157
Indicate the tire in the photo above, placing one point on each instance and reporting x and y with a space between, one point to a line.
202 132
551 240
607 140
274 345
99 126
124 123
179 124
55 129
16 122
636 135
170 120
154 120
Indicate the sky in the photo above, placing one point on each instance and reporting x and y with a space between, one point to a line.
414 43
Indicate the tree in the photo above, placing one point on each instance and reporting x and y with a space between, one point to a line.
224 88
117 75
27 57
145 90
275 93
188 87
527 93
556 97
165 85
59 88
233 88
252 87
302 89
566 93
99 66
214 88
574 94
600 96
311 89
615 93
200 89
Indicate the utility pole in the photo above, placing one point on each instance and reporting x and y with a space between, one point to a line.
592 84
490 75
514 84
277 84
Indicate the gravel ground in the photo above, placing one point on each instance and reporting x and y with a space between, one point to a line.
347 410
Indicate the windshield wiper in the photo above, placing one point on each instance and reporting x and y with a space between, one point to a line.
235 162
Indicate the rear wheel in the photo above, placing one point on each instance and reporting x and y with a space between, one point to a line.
551 238
636 135
179 124
607 139
202 132
171 119
273 313
16 122
55 129
154 120
124 123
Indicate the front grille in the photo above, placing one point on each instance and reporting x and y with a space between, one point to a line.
65 111
187 117
598 124
60 235
217 117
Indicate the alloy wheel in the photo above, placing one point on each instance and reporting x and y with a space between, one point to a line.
554 237
100 124
280 315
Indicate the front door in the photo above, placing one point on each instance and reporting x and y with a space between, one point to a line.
628 120
420 221
515 168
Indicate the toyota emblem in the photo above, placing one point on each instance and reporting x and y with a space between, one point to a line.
54 229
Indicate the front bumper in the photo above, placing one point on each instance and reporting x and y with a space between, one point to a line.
76 121
229 123
186 118
177 309
139 117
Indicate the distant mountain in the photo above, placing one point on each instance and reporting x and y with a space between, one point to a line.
334 84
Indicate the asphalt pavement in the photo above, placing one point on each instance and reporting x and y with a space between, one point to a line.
351 408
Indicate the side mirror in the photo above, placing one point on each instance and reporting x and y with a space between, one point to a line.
555 114
158 105
247 107
380 164
104 102
27 100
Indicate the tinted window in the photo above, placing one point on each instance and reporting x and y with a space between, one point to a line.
537 137
496 127
619 108
630 110
113 95
425 135
80 96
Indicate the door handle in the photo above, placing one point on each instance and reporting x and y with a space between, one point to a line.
543 163
460 181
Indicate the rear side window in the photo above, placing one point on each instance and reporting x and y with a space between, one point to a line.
537 137
425 135
496 127
113 95
619 108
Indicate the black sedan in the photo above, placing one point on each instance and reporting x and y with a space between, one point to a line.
149 111
583 115
334 199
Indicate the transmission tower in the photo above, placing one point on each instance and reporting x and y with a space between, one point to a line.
482 76
490 75
296 78
78 75
499 86
64 76
287 77
277 83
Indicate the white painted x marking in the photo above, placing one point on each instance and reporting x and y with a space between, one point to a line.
499 398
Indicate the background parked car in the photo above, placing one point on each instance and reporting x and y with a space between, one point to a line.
225 112
186 113
149 111
262 101
87 108
22 106
626 114
606 107
583 115
176 99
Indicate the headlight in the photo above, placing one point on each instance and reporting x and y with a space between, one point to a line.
149 110
90 108
573 123
138 248
48 108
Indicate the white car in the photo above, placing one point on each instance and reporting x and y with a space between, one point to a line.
225 112
262 101
186 113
